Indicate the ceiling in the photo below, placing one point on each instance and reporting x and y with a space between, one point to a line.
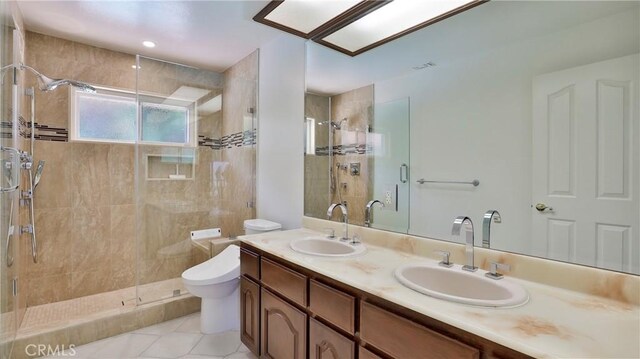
217 34
207 34
481 29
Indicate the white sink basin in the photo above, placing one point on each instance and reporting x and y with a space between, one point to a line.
454 284
326 247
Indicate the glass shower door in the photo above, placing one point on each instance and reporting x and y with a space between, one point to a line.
174 171
389 143
9 179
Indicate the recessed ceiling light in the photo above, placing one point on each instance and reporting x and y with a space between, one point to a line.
149 44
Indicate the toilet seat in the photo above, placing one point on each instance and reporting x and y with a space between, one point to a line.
221 268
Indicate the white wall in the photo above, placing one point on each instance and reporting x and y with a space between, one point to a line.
471 119
280 164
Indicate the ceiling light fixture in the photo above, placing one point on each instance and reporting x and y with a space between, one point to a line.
149 44
353 27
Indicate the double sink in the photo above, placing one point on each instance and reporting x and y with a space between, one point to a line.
450 283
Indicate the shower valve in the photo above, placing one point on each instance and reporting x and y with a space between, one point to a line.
27 228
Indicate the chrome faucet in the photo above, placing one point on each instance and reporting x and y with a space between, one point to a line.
367 212
343 209
486 226
457 227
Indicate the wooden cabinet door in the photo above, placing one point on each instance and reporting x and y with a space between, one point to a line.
250 315
284 329
325 343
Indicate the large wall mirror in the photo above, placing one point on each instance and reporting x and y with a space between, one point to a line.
528 108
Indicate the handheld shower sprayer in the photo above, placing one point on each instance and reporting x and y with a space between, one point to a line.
38 174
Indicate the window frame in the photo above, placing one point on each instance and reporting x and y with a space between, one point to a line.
139 100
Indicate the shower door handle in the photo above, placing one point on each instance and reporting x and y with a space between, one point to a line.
404 173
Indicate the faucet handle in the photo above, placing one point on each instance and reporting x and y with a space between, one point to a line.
355 240
331 233
445 259
493 272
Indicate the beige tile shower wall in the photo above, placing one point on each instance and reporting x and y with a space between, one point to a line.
85 203
85 221
170 209
357 107
237 171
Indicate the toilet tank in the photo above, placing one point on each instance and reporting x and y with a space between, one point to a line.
255 226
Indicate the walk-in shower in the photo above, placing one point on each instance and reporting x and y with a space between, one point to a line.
133 164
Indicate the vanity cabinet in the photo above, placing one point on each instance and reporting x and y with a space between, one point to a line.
290 312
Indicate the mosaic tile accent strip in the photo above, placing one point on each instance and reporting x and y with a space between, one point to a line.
341 150
239 139
43 132
6 128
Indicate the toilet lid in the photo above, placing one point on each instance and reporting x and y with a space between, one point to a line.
221 268
261 225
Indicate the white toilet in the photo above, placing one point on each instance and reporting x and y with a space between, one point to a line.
217 282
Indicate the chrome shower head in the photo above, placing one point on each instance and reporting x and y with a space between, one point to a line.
48 84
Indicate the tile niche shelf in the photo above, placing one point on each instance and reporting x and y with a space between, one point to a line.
170 167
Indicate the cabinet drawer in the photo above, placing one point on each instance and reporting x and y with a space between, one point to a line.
325 343
332 305
365 354
290 284
284 329
249 264
401 338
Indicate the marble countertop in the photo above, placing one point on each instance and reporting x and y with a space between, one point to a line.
555 323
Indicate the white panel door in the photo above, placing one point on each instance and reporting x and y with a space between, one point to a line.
585 165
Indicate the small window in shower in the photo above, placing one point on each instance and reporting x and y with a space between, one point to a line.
309 136
103 117
165 123
110 115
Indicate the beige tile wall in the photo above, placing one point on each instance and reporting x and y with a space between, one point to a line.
238 178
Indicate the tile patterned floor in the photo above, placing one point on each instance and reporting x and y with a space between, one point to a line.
178 338
52 315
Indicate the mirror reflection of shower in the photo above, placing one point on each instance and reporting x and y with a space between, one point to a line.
334 174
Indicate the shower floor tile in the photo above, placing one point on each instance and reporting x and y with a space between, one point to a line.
42 317
166 340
